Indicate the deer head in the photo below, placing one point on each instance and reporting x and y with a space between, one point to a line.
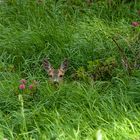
55 75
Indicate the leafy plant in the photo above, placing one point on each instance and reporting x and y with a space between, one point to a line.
98 69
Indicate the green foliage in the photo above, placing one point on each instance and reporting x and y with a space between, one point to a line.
103 100
8 68
98 69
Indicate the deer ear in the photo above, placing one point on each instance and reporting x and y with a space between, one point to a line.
47 65
64 65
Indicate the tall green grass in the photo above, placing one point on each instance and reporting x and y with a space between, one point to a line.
76 110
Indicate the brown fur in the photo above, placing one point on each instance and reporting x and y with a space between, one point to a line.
55 75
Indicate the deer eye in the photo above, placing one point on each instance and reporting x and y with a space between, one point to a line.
61 76
50 76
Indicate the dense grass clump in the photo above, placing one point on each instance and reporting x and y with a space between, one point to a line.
100 93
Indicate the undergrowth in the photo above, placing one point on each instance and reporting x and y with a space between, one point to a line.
100 93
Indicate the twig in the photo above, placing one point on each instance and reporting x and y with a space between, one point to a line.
125 61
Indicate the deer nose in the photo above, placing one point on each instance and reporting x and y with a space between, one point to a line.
56 81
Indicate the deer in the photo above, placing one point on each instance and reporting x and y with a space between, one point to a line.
55 75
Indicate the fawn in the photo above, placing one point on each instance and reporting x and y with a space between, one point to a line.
55 75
